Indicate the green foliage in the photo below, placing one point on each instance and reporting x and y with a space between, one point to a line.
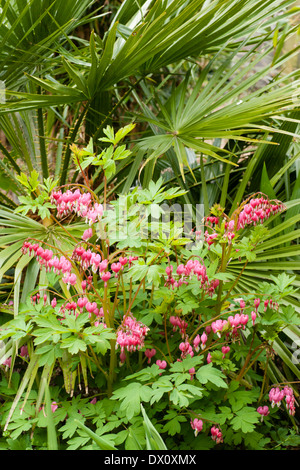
153 439
210 374
183 388
210 127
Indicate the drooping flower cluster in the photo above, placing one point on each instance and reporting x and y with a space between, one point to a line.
75 202
228 235
211 220
179 323
228 327
60 265
185 272
216 435
276 395
130 335
237 322
89 259
186 349
271 304
257 211
76 307
36 298
86 258
234 323
218 326
200 339
210 237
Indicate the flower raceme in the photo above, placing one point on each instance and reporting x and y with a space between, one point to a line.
179 323
45 258
130 335
216 435
255 212
78 203
185 272
276 396
83 304
77 307
228 327
86 258
186 349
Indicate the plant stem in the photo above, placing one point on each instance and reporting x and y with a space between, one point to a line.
220 289
71 139
124 293
112 365
105 192
247 360
254 360
42 142
166 338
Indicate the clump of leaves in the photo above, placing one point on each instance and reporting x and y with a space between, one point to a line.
38 195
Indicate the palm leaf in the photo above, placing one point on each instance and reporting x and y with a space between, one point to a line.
29 33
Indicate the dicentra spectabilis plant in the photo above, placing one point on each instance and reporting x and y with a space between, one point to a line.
150 320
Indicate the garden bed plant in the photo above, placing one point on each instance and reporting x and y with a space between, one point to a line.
136 334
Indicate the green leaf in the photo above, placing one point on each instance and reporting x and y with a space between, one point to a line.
147 374
102 442
73 344
27 380
289 315
48 354
160 387
22 178
208 373
131 397
238 399
153 439
173 425
136 438
121 133
77 442
51 431
34 180
283 281
265 184
186 364
245 419
76 76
